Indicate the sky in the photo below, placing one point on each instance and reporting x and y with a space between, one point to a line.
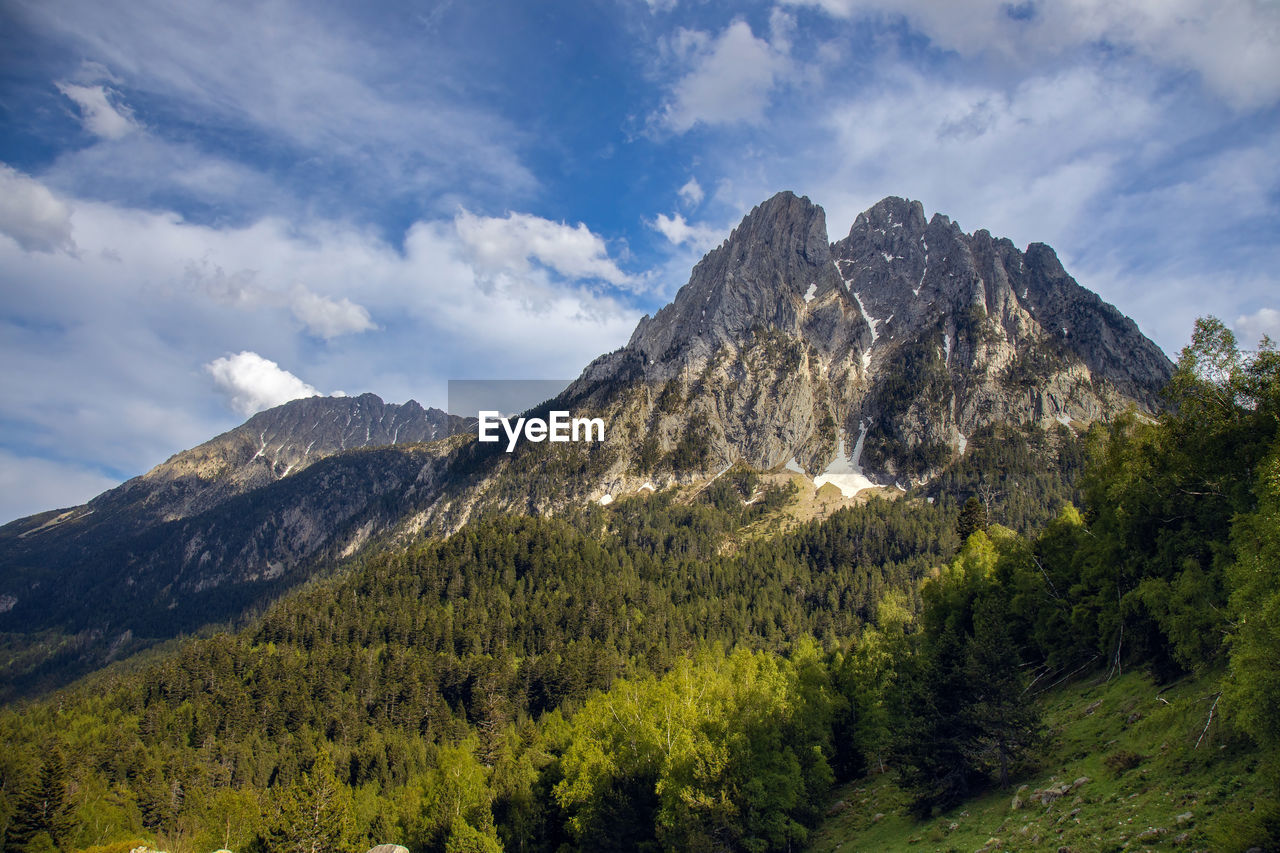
211 207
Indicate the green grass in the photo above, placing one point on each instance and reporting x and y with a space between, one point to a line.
1135 743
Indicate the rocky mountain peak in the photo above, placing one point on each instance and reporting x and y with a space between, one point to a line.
768 273
890 213
872 359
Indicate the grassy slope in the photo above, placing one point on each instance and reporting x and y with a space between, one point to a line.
1138 808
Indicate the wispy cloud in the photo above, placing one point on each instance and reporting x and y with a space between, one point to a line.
100 116
31 215
510 243
679 232
328 318
299 83
107 349
1250 328
691 193
1234 47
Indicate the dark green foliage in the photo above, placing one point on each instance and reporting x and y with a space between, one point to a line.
652 676
693 451
43 819
1034 363
1023 475
973 517
966 718
463 654
1151 578
671 397
1122 760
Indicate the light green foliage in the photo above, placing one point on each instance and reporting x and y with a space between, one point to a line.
454 800
313 815
732 746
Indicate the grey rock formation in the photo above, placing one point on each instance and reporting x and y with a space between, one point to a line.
872 359
216 527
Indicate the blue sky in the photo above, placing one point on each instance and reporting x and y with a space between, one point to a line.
210 207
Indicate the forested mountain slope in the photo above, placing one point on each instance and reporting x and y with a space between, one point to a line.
642 675
873 362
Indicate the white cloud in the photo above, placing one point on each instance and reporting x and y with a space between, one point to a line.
105 350
691 193
99 115
1024 163
253 383
509 243
1235 46
331 102
31 484
730 79
678 232
1250 328
35 218
322 316
329 318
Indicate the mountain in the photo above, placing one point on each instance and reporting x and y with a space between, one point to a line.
869 362
214 528
268 447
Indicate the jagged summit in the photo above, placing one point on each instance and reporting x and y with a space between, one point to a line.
879 354
271 445
774 265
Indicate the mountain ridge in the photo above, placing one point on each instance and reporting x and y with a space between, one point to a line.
867 362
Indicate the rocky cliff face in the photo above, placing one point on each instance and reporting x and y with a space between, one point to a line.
870 360
270 446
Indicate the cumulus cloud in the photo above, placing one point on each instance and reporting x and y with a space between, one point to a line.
1235 47
691 193
34 217
328 318
99 116
1250 328
730 77
253 383
678 232
508 244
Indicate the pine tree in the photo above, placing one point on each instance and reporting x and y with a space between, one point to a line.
312 815
973 516
43 810
1004 720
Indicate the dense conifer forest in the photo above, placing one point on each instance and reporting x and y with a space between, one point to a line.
665 674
